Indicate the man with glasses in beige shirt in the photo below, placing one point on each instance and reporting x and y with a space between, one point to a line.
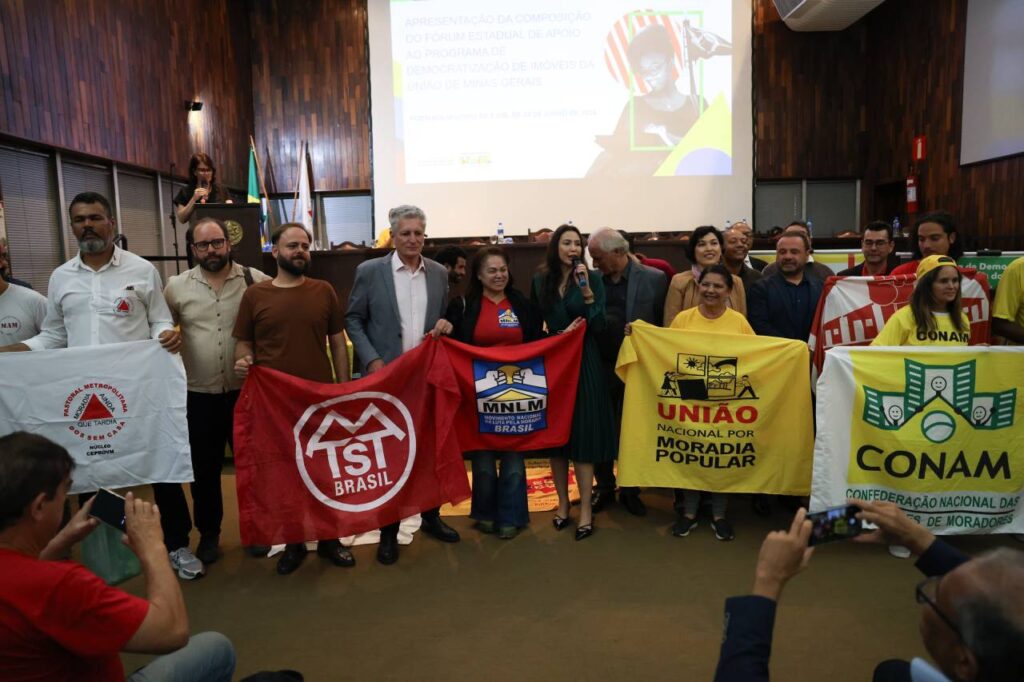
204 303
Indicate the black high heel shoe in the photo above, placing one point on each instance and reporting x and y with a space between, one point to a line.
559 523
584 532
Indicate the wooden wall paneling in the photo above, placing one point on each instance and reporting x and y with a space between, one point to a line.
808 99
916 66
109 79
310 79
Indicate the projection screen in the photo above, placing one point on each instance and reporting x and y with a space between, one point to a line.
993 120
537 112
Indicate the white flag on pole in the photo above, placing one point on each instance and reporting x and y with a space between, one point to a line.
119 409
303 210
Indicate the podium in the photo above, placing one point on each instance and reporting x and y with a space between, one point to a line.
243 222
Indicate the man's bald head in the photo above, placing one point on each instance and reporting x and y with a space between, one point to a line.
984 599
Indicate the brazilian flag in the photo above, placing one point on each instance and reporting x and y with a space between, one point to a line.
254 198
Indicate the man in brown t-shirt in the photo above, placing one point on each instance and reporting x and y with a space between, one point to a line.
282 324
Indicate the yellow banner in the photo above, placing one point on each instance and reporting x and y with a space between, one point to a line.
719 412
927 422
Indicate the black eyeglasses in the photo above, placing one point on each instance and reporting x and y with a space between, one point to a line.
215 243
927 592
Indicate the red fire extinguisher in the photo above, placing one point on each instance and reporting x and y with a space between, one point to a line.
911 193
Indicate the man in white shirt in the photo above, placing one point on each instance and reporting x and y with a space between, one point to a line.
204 302
395 301
21 313
102 295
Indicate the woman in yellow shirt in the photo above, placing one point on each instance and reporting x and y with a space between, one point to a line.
704 250
712 314
935 316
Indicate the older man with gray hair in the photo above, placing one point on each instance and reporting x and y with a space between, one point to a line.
632 292
395 301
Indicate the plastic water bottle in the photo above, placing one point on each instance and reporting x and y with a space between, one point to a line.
499 236
896 227
810 228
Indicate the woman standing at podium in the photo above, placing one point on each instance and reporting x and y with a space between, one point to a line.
202 187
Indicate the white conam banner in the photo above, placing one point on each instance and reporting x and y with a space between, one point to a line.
119 409
938 431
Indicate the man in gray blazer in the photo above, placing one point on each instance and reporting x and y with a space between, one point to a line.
396 300
632 292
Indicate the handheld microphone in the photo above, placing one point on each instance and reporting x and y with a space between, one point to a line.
204 185
581 278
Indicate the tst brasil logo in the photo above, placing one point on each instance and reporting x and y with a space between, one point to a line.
949 386
355 452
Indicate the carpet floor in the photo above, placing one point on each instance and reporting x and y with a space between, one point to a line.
630 603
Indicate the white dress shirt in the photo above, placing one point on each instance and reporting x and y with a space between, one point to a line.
411 292
122 301
22 312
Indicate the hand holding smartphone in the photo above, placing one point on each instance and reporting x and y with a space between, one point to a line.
835 523
108 507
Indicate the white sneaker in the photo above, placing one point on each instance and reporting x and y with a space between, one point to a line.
899 551
186 564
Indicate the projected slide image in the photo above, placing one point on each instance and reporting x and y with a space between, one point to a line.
536 90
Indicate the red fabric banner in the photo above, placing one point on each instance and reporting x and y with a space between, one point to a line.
319 461
517 398
853 310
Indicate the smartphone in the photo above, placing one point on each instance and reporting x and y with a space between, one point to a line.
108 507
835 523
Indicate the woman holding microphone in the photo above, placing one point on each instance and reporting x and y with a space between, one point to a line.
496 314
202 187
567 294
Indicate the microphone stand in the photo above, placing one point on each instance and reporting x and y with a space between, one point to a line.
174 224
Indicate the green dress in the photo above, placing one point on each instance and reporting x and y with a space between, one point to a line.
595 435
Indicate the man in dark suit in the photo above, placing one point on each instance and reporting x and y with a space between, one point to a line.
970 622
734 256
783 303
395 301
744 228
819 270
877 245
632 292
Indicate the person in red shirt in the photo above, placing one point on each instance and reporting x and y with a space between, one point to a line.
934 234
496 314
58 621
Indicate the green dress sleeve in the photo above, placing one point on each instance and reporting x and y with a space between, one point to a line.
595 311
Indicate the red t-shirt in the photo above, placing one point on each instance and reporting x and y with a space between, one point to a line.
908 268
497 324
58 621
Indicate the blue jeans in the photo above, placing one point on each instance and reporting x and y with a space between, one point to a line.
208 657
499 495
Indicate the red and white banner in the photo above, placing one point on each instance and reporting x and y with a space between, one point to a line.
853 310
318 461
517 398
